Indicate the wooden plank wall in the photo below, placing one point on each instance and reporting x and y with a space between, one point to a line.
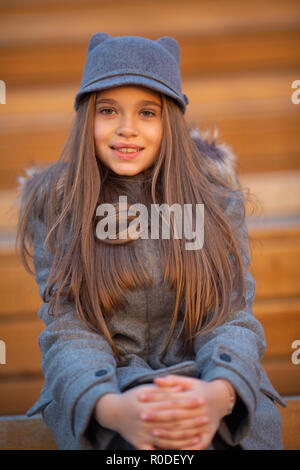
238 61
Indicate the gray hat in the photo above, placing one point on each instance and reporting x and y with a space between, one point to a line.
132 60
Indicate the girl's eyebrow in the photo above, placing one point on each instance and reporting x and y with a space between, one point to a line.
142 102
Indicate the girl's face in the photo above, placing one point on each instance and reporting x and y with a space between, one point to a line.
125 116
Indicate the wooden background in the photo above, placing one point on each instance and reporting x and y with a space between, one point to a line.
238 62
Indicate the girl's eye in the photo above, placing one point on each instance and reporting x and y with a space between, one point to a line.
151 113
103 111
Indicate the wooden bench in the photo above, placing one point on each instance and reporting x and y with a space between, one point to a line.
18 432
21 433
291 423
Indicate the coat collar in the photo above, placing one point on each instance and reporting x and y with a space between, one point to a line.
221 154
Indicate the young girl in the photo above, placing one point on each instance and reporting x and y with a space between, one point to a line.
148 344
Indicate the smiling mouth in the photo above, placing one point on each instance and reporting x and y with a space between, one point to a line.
126 155
126 150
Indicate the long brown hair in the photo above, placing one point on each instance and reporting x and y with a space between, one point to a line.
96 274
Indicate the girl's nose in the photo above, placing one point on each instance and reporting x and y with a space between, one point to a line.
126 131
127 127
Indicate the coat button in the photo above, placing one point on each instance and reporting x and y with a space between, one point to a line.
101 372
225 357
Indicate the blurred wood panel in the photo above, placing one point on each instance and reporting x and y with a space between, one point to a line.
281 322
276 267
62 63
283 374
47 23
255 115
18 394
22 351
276 193
18 289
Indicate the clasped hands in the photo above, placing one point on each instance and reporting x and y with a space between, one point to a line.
175 412
189 416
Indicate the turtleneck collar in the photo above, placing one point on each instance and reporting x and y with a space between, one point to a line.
145 175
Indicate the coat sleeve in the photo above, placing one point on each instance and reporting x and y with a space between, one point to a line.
78 364
233 351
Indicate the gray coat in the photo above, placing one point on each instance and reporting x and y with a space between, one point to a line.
79 365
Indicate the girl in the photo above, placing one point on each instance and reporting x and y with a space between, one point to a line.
147 344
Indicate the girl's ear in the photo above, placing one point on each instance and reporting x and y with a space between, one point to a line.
171 45
97 39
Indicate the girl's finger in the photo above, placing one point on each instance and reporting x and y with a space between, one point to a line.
202 444
176 444
183 435
172 400
159 394
175 404
166 416
148 447
173 380
184 425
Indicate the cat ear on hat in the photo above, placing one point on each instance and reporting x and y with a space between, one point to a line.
96 39
171 45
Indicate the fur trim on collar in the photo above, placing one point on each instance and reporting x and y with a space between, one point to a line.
221 154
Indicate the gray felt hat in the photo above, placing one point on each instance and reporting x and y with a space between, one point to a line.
132 60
